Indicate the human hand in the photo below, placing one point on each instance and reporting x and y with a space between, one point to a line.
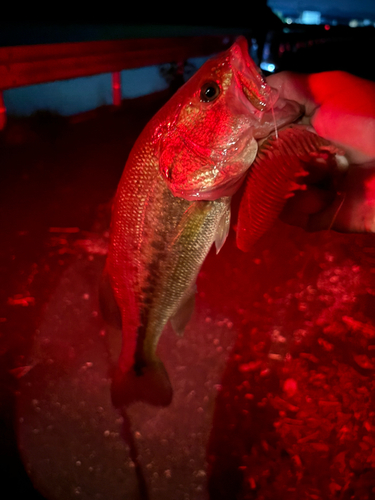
341 108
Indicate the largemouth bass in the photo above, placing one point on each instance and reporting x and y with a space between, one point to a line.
173 203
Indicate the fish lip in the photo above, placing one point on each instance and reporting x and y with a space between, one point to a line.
264 98
255 88
284 112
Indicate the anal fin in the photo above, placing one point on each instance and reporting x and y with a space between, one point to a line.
182 317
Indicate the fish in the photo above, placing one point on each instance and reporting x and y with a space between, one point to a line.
173 204
282 163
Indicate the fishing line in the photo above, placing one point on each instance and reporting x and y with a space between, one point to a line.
337 211
274 122
324 237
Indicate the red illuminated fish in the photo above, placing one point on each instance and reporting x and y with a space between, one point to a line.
173 203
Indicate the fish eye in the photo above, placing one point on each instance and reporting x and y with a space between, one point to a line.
210 91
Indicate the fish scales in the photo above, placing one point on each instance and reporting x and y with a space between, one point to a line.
160 264
173 203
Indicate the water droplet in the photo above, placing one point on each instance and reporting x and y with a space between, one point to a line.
290 387
78 463
168 473
106 433
275 356
201 473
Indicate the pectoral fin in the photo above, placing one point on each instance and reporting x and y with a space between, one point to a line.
184 313
222 230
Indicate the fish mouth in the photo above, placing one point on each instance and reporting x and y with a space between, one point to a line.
283 112
251 81
271 111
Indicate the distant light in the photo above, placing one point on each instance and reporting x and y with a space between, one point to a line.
327 27
265 66
353 23
366 22
279 14
288 20
310 17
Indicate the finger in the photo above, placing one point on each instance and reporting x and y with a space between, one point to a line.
340 106
346 112
294 86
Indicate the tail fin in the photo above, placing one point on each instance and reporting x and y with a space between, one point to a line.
150 384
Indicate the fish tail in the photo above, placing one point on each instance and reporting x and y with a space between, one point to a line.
148 383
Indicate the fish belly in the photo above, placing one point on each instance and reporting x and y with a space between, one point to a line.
158 243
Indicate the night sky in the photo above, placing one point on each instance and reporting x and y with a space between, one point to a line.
244 13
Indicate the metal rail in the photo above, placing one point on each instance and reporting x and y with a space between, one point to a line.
33 64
